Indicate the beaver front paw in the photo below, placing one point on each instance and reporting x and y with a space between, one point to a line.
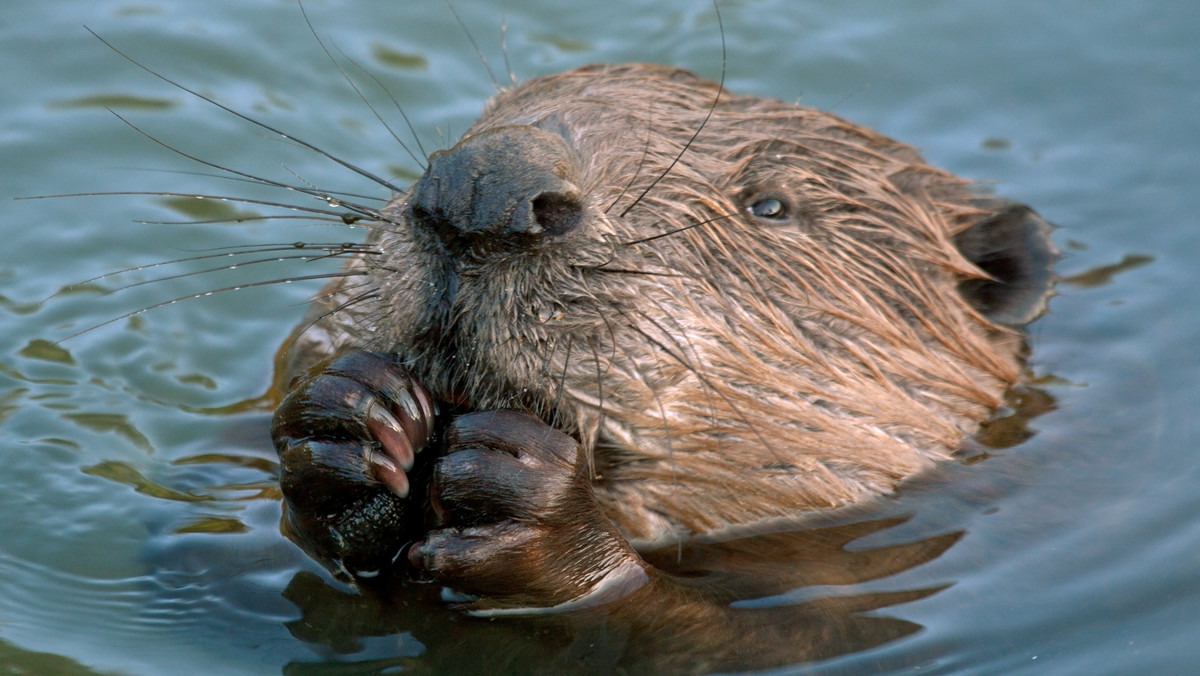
519 526
347 435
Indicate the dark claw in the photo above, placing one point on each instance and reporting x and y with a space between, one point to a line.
347 437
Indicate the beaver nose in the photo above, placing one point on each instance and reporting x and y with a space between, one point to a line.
505 185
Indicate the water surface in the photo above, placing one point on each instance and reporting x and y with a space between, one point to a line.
138 506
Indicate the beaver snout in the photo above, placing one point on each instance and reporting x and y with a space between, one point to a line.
510 185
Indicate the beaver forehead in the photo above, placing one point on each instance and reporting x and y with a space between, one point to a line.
675 99
601 89
618 113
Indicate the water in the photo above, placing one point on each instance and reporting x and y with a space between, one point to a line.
138 508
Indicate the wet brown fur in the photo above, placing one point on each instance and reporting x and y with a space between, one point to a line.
730 369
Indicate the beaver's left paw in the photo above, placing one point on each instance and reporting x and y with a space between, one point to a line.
520 527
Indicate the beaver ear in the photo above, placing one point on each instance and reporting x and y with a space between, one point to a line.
1013 246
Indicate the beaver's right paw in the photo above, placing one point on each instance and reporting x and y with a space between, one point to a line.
347 435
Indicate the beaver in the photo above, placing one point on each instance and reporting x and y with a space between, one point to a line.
629 308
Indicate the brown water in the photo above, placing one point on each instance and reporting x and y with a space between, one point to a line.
138 510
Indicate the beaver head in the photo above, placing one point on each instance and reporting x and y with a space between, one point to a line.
742 308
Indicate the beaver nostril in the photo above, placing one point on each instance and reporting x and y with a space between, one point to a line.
556 213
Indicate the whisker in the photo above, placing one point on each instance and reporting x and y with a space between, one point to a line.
512 78
641 162
643 273
314 190
226 177
357 91
262 125
591 456
562 383
703 124
263 248
243 219
348 219
331 251
332 201
676 231
399 109
233 266
211 292
474 44
360 298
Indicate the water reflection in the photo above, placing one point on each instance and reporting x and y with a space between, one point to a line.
18 661
727 613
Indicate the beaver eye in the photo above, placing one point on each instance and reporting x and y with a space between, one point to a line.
770 208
